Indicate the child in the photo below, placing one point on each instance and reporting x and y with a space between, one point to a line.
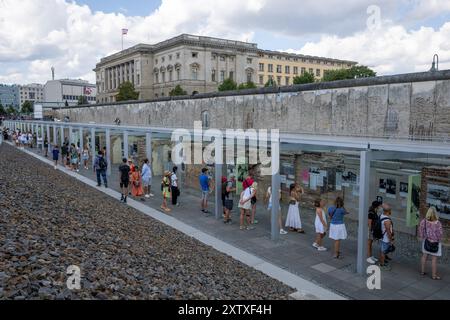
165 188
320 224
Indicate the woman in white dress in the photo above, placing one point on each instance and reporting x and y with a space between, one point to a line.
320 224
293 221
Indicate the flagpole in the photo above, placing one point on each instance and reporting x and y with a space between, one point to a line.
122 40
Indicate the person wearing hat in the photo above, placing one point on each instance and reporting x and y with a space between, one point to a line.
373 217
165 188
227 202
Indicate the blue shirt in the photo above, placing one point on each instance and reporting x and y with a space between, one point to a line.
204 182
337 215
55 154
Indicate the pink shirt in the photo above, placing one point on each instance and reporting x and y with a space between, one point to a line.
434 230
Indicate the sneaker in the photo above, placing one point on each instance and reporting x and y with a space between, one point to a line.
250 228
241 228
106 186
322 249
315 245
99 185
152 195
255 221
371 260
125 200
147 196
282 231
178 204
387 258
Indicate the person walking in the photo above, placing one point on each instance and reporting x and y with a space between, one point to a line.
64 151
146 178
205 186
136 184
293 220
74 157
320 224
165 188
85 155
100 167
124 177
245 206
55 153
373 218
430 231
46 146
268 199
174 187
338 231
387 239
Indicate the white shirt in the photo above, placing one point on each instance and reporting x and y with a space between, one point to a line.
383 228
174 180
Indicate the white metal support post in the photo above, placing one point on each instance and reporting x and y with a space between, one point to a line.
363 229
275 155
108 150
93 155
125 144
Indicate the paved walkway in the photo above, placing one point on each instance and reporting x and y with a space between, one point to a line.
294 253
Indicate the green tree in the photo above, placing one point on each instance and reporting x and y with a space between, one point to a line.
177 91
82 100
27 107
228 85
304 78
270 83
247 85
11 111
352 73
127 92
2 110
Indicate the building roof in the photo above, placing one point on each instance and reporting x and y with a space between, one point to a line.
73 82
302 56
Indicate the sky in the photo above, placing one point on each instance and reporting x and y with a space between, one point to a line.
390 36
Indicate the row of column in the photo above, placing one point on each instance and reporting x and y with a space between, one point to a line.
365 160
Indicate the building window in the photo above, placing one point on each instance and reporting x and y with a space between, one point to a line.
270 57
156 77
213 57
249 77
303 70
249 60
288 81
231 75
279 80
194 73
311 70
317 72
178 74
222 76
279 68
163 76
156 61
205 119
279 57
170 57
178 55
170 75
222 58
231 59
295 70
213 75
163 59
261 67
270 67
261 79
287 70
194 54
138 79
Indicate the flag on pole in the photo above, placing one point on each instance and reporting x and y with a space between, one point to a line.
124 31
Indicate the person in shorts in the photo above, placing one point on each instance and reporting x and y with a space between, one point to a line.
372 219
124 177
205 186
227 200
146 175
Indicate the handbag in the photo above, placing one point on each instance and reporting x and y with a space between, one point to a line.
432 247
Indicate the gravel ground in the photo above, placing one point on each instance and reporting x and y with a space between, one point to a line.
122 254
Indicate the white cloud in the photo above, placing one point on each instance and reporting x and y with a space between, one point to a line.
392 49
38 34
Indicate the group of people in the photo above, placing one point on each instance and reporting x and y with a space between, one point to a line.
71 156
133 181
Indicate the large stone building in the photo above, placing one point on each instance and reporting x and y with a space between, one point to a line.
199 65
31 92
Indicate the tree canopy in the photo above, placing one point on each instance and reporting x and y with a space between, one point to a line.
228 85
304 78
2 110
247 85
82 100
127 92
27 107
270 83
352 73
177 91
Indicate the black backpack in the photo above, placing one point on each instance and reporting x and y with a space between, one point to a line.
102 163
377 230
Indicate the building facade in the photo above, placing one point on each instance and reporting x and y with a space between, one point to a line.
200 65
282 68
70 91
31 92
9 96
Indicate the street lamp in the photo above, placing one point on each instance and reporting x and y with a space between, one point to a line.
435 64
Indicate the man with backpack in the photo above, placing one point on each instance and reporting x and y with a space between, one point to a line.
100 167
384 231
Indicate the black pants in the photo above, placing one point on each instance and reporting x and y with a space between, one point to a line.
175 194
